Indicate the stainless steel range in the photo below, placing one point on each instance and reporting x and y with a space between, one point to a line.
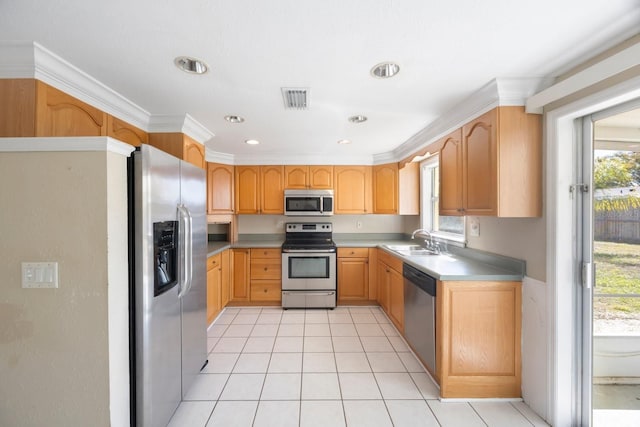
309 266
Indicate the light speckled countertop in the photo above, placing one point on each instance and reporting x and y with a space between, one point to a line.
459 264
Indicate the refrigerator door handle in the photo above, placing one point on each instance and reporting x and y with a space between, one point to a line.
187 248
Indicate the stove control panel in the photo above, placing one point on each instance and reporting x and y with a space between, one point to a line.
309 227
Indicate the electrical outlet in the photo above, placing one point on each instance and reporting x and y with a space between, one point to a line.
358 224
280 224
474 227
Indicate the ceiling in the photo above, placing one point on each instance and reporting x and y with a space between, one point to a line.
446 50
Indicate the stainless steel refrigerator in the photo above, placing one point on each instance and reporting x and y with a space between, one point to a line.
167 223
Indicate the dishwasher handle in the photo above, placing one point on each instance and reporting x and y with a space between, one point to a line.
419 279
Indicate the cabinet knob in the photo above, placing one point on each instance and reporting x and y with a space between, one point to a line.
353 253
265 269
265 252
265 291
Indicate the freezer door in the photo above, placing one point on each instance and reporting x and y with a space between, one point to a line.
156 193
194 298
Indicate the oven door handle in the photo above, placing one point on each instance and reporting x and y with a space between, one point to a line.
308 251
324 293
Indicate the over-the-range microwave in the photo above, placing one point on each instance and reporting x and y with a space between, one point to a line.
308 202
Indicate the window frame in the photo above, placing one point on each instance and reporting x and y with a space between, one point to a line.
427 186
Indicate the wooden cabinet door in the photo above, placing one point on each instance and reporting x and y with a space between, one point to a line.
225 282
125 132
450 197
193 152
272 186
353 189
214 280
59 114
240 270
383 285
296 177
385 189
479 339
219 189
396 298
247 186
353 279
480 168
321 177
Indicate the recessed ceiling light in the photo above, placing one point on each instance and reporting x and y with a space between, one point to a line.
344 142
252 141
385 70
358 119
191 65
234 119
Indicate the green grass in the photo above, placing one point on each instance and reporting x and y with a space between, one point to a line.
617 272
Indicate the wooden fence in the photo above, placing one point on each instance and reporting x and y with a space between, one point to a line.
617 226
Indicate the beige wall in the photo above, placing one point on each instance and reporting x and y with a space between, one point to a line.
54 343
270 224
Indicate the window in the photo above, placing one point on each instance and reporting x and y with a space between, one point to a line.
451 228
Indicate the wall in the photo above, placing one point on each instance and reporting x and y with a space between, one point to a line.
55 343
274 224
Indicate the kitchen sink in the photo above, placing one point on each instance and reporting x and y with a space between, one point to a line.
410 250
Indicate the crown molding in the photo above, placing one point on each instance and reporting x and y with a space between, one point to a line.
304 159
184 124
66 144
217 157
497 92
22 59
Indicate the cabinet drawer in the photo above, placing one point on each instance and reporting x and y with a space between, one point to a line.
266 269
265 290
390 260
353 252
213 261
265 253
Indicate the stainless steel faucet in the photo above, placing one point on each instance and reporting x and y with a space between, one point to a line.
428 239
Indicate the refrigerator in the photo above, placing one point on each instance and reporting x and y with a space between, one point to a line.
167 258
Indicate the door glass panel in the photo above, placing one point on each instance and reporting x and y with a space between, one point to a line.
309 267
616 254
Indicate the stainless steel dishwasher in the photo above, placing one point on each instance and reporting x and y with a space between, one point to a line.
420 314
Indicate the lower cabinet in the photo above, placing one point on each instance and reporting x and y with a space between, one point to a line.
478 348
266 275
353 275
240 272
217 284
391 288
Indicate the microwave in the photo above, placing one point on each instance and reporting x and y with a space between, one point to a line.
308 202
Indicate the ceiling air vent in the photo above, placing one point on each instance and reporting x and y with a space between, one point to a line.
295 98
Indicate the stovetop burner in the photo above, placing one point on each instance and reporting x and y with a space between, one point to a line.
309 237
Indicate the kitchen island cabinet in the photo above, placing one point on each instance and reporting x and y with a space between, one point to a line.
478 348
493 166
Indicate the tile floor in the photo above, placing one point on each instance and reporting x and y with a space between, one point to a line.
342 367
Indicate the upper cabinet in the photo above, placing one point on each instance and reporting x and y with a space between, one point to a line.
125 132
259 189
272 190
385 189
493 166
219 189
352 189
29 107
304 177
180 146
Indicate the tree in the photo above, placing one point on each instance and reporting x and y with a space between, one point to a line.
612 172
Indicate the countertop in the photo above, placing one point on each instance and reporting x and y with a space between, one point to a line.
460 264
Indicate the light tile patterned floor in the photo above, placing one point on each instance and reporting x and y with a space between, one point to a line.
342 367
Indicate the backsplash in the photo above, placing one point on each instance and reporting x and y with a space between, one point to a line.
274 224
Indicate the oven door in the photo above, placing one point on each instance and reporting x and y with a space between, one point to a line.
303 271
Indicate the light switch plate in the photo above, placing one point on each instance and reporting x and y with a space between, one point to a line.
39 274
